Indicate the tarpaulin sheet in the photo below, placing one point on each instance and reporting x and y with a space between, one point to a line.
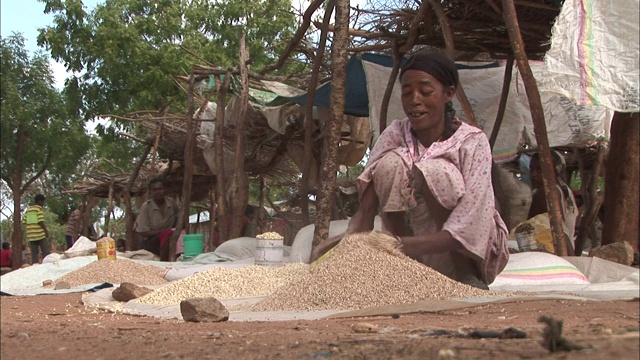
567 123
593 58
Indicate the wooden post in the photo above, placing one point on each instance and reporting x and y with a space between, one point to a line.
539 126
506 86
592 200
309 124
109 210
331 136
451 51
188 173
393 78
621 200
129 234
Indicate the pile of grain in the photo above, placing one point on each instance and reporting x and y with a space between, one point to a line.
226 283
356 275
115 272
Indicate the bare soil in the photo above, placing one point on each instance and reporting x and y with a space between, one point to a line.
60 327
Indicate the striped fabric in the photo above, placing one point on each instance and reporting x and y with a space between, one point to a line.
545 273
32 217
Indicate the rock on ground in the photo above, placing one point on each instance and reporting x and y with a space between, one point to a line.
203 310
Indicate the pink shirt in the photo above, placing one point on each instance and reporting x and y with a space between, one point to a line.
465 188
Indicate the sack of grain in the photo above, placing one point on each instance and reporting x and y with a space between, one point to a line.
82 247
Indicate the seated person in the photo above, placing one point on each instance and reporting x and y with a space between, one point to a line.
5 255
429 176
567 201
157 219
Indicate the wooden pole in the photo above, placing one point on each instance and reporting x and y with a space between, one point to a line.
331 136
539 126
188 173
393 77
309 123
451 52
129 234
109 210
592 199
506 86
621 200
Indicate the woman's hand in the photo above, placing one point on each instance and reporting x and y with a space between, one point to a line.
325 246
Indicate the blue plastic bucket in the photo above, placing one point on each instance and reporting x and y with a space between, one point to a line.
193 245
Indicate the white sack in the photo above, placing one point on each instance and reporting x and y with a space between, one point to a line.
82 247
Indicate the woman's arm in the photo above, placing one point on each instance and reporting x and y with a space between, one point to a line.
439 242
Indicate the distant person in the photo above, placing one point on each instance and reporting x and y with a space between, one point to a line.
73 229
157 219
36 231
251 227
567 201
5 255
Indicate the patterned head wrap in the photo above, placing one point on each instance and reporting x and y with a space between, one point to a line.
436 64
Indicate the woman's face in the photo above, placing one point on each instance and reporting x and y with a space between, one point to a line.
424 99
535 173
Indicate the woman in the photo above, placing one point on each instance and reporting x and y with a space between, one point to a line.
430 177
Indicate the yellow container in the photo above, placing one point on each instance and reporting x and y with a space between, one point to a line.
106 248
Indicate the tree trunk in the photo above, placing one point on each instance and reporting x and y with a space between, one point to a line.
539 127
621 200
16 185
219 156
331 134
241 188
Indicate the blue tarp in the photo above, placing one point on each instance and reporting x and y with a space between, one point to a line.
356 97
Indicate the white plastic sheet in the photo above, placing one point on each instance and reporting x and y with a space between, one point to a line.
593 58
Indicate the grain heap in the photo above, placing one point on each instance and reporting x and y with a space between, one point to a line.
115 272
358 274
225 283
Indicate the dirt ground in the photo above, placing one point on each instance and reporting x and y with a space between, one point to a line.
60 327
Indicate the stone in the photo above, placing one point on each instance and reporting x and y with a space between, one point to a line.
620 252
128 291
62 285
47 283
203 310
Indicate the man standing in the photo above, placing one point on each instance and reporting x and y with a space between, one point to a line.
156 220
36 231
73 227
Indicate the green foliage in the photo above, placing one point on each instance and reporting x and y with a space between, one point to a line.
53 139
56 230
126 54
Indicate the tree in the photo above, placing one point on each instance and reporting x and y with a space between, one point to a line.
39 137
126 54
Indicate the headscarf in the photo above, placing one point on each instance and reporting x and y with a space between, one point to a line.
444 70
436 64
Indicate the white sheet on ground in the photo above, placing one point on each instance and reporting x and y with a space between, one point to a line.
610 281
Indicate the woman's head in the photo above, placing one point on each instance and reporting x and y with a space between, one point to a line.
535 170
428 83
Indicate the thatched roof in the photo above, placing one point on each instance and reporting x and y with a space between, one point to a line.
477 27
